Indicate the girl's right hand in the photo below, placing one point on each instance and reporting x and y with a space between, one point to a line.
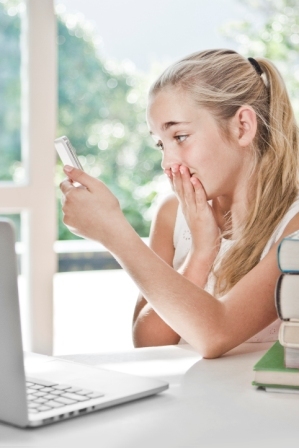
197 211
91 210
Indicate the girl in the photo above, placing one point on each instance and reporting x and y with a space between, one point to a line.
229 145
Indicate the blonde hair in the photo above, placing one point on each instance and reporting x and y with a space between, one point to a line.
222 81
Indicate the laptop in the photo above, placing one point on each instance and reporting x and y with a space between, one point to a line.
54 389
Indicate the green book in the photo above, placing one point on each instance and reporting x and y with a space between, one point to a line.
270 371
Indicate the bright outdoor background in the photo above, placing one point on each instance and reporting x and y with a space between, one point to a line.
108 54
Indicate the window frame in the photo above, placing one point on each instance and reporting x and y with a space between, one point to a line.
35 198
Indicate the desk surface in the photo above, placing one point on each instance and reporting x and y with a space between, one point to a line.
210 403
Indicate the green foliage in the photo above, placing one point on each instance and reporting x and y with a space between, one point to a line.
102 111
101 108
275 36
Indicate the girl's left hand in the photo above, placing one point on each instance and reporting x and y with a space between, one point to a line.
197 211
90 210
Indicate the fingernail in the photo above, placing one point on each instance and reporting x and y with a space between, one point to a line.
68 168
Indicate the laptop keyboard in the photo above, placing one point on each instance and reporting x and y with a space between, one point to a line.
45 395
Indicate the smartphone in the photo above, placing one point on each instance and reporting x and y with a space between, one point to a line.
67 153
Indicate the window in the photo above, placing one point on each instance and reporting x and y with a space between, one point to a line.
27 187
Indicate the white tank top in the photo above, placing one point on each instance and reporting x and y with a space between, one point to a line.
182 243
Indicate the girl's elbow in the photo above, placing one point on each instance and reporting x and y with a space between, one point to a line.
213 353
215 347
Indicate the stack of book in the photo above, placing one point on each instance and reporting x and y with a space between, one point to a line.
278 369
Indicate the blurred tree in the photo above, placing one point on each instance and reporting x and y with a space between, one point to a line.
101 108
102 111
272 31
10 119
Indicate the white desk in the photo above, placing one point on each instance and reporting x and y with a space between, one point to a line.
210 403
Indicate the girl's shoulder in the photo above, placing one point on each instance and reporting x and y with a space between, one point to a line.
281 227
169 202
161 235
167 211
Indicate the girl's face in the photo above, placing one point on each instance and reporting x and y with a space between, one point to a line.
190 136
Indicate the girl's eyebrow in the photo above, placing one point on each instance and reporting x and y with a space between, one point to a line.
168 124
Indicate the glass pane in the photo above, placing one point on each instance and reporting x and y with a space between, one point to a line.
102 110
10 88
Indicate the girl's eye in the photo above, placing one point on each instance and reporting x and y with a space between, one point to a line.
180 138
159 145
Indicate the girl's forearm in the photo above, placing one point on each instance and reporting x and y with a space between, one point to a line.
196 268
190 311
150 330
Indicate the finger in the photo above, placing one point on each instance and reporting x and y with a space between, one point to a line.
79 176
188 188
177 181
169 176
66 185
200 194
168 173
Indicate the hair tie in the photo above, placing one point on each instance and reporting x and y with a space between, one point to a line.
256 66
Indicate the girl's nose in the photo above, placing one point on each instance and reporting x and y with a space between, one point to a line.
168 159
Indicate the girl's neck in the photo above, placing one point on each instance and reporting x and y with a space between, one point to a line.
229 215
231 208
